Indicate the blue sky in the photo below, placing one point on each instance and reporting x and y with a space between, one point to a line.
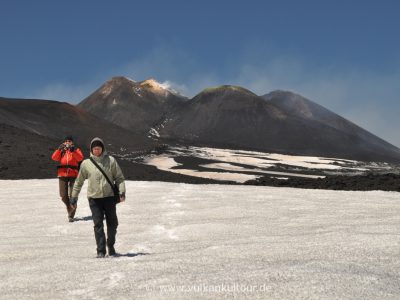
344 55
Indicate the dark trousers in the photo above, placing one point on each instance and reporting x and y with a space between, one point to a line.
100 207
65 185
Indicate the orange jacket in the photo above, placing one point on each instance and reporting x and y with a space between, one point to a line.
68 162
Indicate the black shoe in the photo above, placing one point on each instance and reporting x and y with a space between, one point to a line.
70 219
111 251
101 255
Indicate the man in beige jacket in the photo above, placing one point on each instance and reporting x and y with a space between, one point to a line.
100 194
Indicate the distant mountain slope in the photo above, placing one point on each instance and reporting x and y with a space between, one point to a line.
24 154
132 105
308 110
57 119
234 117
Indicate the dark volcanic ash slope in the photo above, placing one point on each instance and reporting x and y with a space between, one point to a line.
133 105
233 117
229 116
363 145
25 155
57 119
30 131
368 182
224 116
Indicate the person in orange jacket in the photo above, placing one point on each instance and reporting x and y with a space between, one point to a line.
69 157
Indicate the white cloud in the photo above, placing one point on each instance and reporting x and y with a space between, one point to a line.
168 64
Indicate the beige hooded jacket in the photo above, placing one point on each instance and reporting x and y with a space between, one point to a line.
98 187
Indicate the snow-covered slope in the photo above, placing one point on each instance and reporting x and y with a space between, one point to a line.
180 241
240 165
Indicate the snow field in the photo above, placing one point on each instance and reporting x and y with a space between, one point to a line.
181 241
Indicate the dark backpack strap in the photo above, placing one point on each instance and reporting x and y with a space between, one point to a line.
113 186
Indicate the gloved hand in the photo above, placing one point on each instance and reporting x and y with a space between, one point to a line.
73 201
61 147
72 148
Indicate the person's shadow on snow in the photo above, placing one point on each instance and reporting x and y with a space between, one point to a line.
87 218
130 254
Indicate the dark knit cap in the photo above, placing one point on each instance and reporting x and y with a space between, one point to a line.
96 144
68 138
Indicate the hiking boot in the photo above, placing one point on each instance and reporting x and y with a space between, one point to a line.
72 210
101 255
111 251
